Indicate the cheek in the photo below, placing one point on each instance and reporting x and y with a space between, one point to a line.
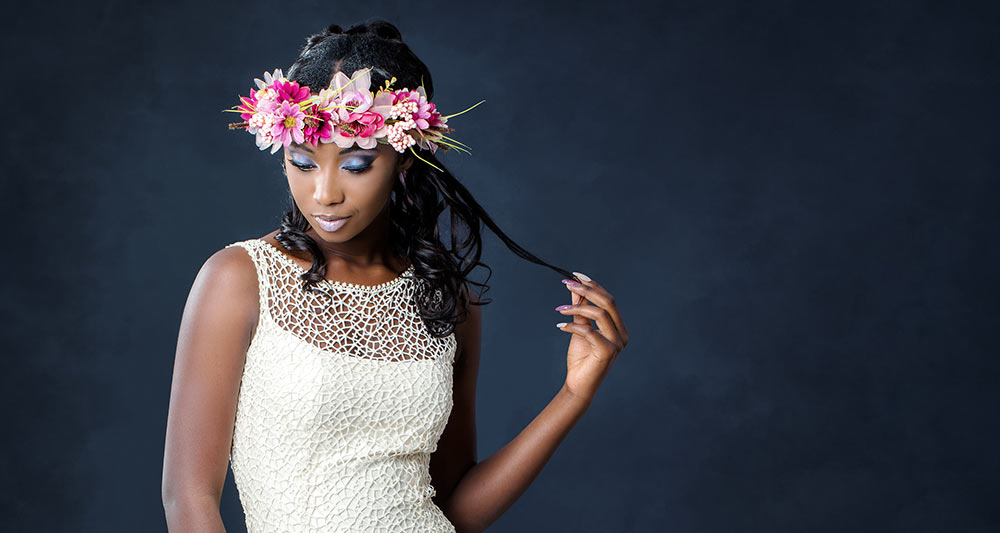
364 196
371 191
299 188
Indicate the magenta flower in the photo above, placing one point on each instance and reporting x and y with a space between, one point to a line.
425 115
290 91
318 126
248 106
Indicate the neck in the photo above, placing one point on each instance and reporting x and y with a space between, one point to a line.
366 249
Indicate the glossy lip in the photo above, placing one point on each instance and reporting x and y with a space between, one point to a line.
328 217
331 225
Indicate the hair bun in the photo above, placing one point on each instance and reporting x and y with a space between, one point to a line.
385 30
315 38
377 27
380 28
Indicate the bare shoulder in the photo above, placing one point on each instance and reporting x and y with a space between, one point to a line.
467 332
231 268
227 284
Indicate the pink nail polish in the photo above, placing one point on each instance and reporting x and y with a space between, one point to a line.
563 307
571 283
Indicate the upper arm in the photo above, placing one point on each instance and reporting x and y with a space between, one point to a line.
215 331
456 450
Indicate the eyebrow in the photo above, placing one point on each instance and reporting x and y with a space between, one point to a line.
351 148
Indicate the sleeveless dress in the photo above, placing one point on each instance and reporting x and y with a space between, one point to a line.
343 399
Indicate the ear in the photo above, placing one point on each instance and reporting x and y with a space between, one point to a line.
407 160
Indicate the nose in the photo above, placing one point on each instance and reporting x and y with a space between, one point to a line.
327 189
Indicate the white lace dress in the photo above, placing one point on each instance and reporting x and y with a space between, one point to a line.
341 403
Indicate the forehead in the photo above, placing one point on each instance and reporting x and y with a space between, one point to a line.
332 150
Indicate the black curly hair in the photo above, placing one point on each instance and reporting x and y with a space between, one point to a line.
441 270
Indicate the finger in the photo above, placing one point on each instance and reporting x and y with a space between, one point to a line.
596 294
577 299
600 316
601 348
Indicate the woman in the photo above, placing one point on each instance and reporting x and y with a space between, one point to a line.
334 361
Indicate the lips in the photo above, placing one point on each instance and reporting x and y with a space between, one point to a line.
329 224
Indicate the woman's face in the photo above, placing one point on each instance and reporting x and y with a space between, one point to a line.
327 180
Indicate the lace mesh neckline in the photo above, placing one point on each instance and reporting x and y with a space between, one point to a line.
281 256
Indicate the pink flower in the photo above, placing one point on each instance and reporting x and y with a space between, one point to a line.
356 103
262 124
267 100
289 125
383 103
361 131
264 98
269 78
361 115
428 140
370 122
353 95
360 81
260 101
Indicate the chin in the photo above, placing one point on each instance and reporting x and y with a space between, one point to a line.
335 236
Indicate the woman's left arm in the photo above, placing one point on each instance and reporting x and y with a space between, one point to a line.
485 490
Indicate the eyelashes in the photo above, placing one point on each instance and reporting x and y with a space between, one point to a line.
305 167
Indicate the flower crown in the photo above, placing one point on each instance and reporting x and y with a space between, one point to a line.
347 112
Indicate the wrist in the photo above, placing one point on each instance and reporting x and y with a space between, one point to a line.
582 400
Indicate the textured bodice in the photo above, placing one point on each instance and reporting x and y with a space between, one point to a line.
344 396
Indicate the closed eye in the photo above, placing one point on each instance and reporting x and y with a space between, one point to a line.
357 170
308 167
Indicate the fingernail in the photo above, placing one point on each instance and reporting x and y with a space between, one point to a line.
571 283
562 307
582 276
561 325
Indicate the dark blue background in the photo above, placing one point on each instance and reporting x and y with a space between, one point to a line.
794 204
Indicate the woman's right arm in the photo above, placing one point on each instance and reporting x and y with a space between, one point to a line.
219 318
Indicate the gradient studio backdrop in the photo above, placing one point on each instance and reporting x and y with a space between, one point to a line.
794 204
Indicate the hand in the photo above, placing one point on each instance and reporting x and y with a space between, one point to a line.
591 352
